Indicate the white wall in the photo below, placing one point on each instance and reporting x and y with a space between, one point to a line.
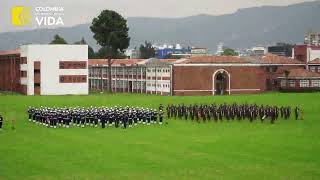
313 54
49 56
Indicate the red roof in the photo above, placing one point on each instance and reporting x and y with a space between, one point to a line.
315 61
274 59
115 62
168 60
301 73
10 52
99 62
267 59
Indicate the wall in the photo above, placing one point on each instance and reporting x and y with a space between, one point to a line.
49 56
10 74
198 80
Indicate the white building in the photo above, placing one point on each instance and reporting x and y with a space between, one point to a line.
258 51
54 69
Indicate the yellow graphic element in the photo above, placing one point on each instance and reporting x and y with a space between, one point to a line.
20 16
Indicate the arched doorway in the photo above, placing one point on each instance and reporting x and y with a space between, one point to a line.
221 82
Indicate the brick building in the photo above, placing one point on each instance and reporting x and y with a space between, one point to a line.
314 65
205 75
222 75
306 53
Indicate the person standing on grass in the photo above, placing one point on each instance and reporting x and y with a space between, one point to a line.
296 113
160 117
1 122
13 124
301 114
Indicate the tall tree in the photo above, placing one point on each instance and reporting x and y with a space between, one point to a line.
58 40
111 32
229 52
147 51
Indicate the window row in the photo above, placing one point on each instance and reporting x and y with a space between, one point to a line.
314 69
302 83
165 85
158 70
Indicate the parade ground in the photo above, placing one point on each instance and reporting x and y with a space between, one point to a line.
178 149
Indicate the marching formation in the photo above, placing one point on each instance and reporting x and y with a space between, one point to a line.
228 112
95 116
129 116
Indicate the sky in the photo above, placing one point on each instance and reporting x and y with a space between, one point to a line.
80 12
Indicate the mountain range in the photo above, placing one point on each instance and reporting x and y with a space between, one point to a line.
245 28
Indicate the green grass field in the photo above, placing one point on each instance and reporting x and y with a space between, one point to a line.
179 150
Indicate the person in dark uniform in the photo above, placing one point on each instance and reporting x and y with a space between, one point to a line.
30 112
160 117
116 119
124 119
103 120
296 113
1 122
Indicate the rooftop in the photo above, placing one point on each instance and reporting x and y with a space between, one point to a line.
267 59
300 73
10 52
315 61
128 62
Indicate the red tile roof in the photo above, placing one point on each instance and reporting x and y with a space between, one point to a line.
267 59
301 73
99 62
10 52
117 62
315 61
274 59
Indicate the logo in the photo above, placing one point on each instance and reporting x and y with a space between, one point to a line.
20 16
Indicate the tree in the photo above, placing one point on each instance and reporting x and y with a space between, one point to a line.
101 53
58 40
147 51
229 52
111 32
82 41
91 53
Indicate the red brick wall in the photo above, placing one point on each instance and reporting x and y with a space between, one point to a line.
243 80
10 73
300 53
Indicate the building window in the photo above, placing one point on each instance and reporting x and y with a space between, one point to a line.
283 83
315 83
292 83
312 69
304 83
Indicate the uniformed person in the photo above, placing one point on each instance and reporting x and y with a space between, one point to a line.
160 117
1 122
296 113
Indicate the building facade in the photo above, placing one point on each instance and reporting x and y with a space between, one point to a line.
281 49
221 75
46 70
312 38
151 76
204 75
306 53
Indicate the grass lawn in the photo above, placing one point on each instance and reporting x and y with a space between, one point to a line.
180 150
